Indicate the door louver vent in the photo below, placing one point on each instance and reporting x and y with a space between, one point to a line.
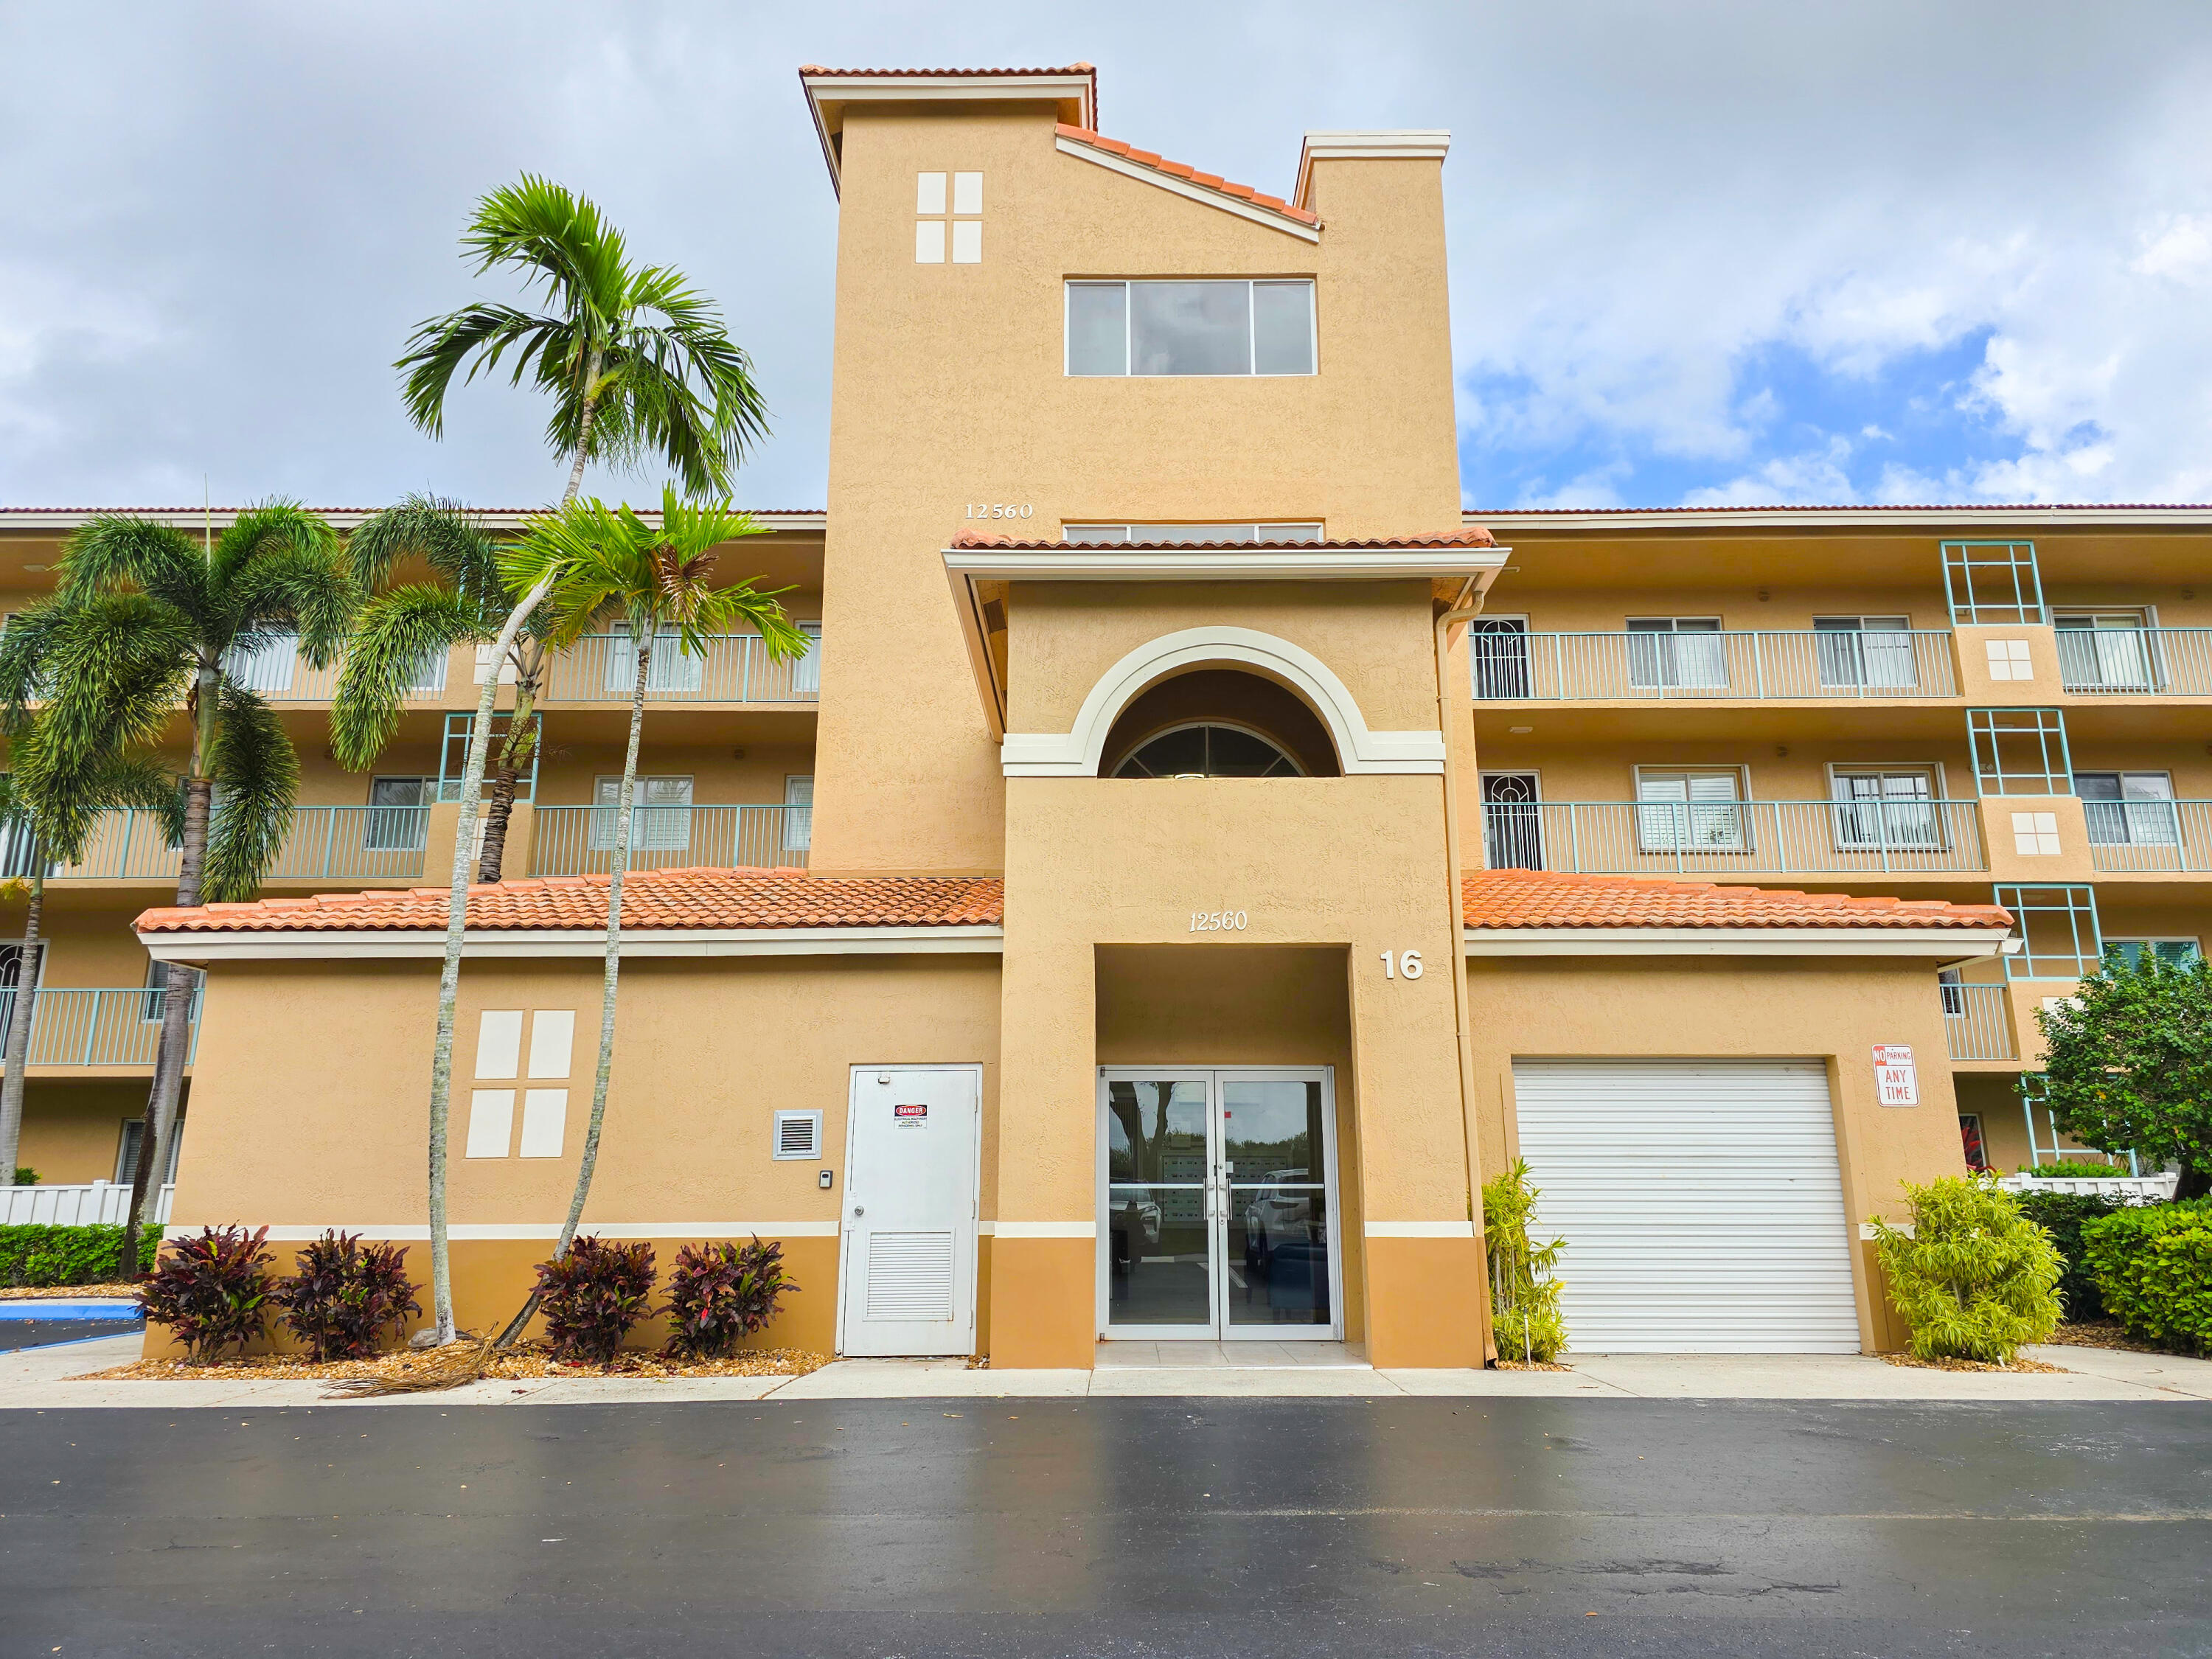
797 1135
910 1276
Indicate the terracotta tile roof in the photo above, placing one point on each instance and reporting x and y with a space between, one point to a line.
651 898
1537 898
1474 536
1145 158
1060 68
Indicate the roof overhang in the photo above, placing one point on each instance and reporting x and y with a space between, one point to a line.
1423 144
980 577
783 519
1980 520
1938 943
1072 92
200 949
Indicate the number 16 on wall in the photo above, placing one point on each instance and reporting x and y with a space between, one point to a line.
1401 964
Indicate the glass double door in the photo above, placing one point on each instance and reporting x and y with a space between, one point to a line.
1217 1194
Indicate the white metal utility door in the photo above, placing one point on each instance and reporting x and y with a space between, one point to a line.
1217 1199
912 1147
1701 1201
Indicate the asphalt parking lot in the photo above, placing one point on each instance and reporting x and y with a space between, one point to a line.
1123 1526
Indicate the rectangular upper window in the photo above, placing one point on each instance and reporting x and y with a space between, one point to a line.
1263 326
1096 535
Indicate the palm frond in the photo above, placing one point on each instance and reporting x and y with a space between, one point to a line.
553 237
443 534
439 345
25 643
392 635
116 669
303 587
256 779
113 553
265 529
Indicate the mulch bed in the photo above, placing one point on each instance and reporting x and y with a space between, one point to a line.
2102 1335
525 1361
1528 1366
67 1292
1906 1359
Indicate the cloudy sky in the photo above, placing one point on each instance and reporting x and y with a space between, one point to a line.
1869 251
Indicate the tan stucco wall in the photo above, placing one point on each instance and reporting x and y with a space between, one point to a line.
1832 1009
72 1131
948 390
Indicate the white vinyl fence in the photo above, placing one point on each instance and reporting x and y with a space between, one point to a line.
74 1204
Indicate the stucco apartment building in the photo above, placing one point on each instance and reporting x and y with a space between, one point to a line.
1200 853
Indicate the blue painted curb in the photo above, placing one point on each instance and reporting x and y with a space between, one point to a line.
55 1308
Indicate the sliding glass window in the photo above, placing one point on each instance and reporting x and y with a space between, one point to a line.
1239 327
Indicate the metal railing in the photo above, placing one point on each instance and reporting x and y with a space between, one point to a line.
2149 835
577 841
1720 839
733 668
348 843
75 1204
2148 661
1977 1022
271 664
1636 667
106 1026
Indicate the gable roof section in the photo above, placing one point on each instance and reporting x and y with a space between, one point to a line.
1072 90
1182 179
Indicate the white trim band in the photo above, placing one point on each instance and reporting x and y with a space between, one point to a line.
388 944
414 1232
1953 944
1077 752
1426 143
1418 1229
1040 1229
1103 562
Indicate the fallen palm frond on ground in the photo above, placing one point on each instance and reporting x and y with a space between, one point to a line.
1907 1360
463 1362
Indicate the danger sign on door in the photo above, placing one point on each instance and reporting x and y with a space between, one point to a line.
1895 1079
909 1117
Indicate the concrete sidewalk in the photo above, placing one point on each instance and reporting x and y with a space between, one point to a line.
38 1379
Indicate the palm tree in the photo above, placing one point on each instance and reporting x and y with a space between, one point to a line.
401 627
636 360
145 619
611 565
128 780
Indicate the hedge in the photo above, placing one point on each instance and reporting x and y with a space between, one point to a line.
39 1257
2153 1265
2062 1215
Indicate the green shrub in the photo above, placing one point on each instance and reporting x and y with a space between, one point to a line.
68 1255
2062 1216
25 1176
2081 1169
1974 1278
2153 1265
1524 1299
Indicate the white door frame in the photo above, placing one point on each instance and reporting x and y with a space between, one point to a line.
975 1189
1216 1206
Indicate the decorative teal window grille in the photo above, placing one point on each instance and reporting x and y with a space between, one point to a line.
2019 751
1993 582
2043 1145
2057 928
453 757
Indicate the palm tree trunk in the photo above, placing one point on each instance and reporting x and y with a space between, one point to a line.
625 814
584 427
179 982
19 1026
449 975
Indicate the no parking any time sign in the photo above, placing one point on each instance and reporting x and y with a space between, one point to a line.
1897 1083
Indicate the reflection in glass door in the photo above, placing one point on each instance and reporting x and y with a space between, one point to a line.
1217 1190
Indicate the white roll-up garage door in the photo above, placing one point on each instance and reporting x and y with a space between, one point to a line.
1700 1200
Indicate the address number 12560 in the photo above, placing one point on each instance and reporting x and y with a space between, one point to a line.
1219 922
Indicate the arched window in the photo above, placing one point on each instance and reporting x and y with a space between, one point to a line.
1207 749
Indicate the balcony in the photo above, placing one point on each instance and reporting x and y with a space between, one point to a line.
2149 837
2164 662
1977 1022
576 841
115 1028
1719 840
598 668
1636 667
326 844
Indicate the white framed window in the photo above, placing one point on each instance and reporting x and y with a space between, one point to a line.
671 669
1887 806
2129 808
1213 327
263 662
1865 651
1690 810
2107 650
1670 650
1101 535
797 812
399 815
661 822
127 1153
